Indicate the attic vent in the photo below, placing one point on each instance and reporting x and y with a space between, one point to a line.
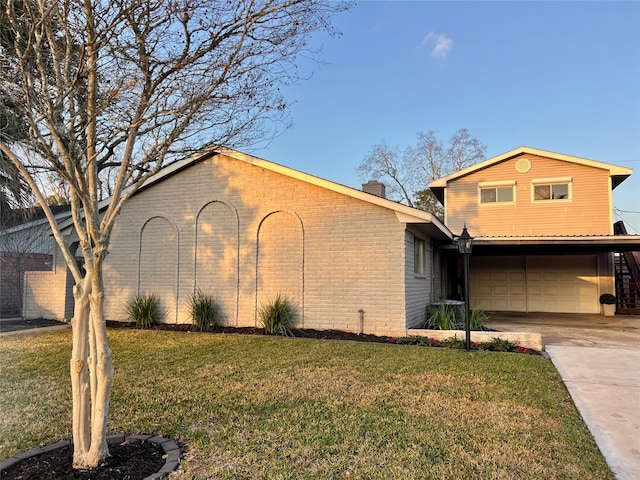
523 165
374 187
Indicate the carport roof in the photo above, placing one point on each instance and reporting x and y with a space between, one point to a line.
556 244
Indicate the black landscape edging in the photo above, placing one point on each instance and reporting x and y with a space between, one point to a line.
171 449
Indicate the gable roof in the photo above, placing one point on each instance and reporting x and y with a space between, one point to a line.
617 173
60 213
422 220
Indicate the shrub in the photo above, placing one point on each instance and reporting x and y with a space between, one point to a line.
499 345
454 342
477 318
145 310
415 340
440 317
608 299
495 345
278 316
205 312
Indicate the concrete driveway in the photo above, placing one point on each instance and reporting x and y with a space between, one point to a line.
598 359
620 331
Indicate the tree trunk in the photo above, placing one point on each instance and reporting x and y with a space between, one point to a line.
91 372
80 375
102 375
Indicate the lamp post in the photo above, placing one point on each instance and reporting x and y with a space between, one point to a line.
465 243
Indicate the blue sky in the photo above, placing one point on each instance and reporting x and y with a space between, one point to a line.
559 76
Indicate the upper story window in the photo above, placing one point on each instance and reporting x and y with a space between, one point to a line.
549 189
496 192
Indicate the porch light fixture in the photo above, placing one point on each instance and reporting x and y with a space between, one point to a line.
465 244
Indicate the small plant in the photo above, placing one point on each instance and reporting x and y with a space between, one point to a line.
145 310
520 349
607 299
415 340
477 318
278 317
453 342
440 317
205 312
499 345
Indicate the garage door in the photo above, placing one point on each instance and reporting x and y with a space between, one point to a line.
498 283
564 284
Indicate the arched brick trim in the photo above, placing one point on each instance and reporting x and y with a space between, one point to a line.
272 259
152 274
228 261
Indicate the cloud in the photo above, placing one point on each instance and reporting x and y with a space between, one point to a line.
442 44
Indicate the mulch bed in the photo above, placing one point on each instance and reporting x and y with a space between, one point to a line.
298 333
128 461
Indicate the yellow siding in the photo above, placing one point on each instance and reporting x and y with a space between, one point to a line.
587 213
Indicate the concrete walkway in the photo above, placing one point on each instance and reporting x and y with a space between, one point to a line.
16 326
604 384
598 359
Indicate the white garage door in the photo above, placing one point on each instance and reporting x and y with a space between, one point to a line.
564 284
498 283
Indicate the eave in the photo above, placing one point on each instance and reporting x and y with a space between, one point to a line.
423 221
549 245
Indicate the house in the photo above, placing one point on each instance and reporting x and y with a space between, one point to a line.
25 246
543 227
244 230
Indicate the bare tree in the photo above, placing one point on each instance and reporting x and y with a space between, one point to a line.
113 90
407 173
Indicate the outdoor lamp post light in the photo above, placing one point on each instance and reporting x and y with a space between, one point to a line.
465 243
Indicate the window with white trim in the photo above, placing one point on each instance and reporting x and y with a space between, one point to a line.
496 192
551 189
419 256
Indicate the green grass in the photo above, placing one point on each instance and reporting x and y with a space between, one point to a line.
286 408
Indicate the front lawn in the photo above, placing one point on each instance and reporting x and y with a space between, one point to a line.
267 407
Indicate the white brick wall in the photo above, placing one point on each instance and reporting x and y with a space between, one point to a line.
159 260
334 253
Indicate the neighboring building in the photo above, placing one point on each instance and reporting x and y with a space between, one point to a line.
25 246
543 228
245 229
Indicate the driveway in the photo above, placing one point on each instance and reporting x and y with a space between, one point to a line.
582 330
598 359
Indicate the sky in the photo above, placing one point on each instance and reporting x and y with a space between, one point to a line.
557 76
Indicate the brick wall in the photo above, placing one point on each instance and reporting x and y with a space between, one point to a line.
243 233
